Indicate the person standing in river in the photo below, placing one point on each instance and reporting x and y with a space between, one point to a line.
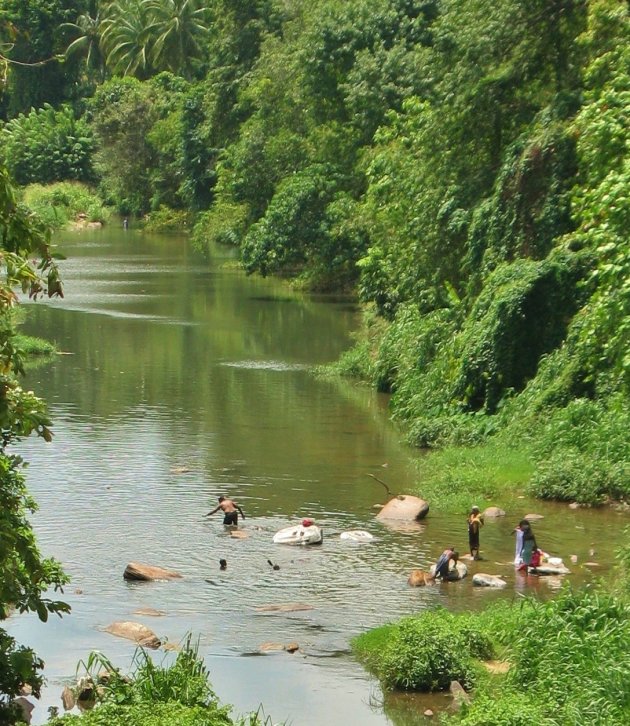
526 541
229 509
475 523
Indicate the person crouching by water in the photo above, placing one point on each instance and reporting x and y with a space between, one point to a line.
526 554
228 507
475 523
443 565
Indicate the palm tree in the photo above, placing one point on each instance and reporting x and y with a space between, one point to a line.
178 28
87 30
126 38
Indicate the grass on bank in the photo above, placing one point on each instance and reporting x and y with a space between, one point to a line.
32 346
568 659
578 451
459 476
175 694
59 205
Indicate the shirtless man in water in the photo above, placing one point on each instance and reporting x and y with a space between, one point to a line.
229 511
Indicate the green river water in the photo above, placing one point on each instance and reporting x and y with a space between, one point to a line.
183 379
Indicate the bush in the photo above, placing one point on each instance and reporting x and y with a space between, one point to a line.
185 681
166 219
45 146
178 694
426 652
584 452
145 714
569 663
354 363
569 657
60 203
570 476
507 708
576 650
225 223
19 665
34 346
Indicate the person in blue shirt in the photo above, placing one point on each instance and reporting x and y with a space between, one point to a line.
442 566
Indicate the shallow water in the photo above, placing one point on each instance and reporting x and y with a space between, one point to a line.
184 380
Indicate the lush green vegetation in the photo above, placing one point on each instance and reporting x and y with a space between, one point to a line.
567 659
177 694
423 653
47 145
31 346
64 203
29 581
461 164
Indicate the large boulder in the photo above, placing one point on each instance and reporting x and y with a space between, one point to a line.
404 507
68 699
26 708
135 631
460 697
140 571
480 579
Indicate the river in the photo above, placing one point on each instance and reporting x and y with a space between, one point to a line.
182 379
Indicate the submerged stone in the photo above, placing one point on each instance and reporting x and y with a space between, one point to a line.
135 631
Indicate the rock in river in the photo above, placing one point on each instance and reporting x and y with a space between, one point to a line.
290 607
135 631
480 579
404 507
139 571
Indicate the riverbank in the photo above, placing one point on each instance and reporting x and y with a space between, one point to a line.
543 443
35 347
564 661
177 694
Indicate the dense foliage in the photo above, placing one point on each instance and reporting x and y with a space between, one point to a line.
27 577
31 37
66 202
175 694
567 659
461 164
425 653
45 146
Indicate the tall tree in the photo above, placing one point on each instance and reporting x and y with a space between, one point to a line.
178 29
85 34
32 27
126 38
144 37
